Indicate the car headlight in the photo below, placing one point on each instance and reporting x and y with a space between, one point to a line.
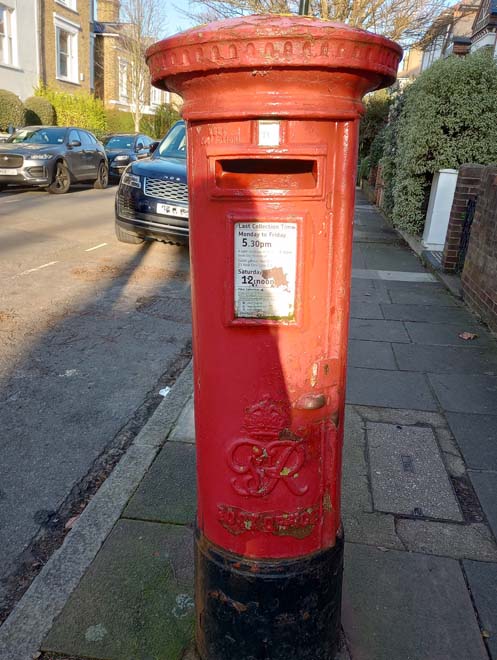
131 180
40 157
122 158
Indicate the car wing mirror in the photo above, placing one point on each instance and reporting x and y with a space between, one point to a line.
74 143
139 146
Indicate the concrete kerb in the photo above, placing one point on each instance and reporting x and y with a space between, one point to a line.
23 631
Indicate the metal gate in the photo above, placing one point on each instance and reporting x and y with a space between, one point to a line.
466 232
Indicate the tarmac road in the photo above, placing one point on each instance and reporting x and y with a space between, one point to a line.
90 331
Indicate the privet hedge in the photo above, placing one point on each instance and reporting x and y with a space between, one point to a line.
447 117
389 150
375 117
158 125
83 109
11 110
119 121
39 111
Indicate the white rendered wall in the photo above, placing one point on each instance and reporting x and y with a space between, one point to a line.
22 77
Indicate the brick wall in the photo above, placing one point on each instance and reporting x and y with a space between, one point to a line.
108 10
479 278
81 19
468 183
107 54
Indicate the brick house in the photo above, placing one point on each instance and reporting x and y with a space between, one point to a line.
112 68
484 34
450 34
66 44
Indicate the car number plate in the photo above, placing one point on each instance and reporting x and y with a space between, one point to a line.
8 172
176 211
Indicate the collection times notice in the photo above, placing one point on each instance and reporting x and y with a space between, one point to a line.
265 270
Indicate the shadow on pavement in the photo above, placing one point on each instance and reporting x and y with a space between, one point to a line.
71 405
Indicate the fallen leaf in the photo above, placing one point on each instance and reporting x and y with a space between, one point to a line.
35 656
467 335
381 548
70 523
485 634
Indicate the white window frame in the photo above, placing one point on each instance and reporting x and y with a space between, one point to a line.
72 29
8 43
155 96
68 4
122 79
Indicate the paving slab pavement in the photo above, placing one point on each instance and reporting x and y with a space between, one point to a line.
485 485
407 606
481 455
445 359
418 501
389 389
146 572
482 580
168 492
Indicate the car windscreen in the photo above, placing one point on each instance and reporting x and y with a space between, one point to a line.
119 142
174 144
39 136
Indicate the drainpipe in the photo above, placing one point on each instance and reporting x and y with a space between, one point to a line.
41 42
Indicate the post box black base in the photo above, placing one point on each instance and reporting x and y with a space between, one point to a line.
285 609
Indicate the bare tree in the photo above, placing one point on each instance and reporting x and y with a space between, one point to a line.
402 20
143 22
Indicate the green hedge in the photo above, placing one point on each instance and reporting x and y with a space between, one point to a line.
119 122
375 117
11 110
154 125
389 150
39 111
158 125
82 109
447 117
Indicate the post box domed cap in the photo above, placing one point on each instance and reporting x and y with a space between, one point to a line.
273 41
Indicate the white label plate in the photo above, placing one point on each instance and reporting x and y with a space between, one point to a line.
9 172
269 133
265 270
169 209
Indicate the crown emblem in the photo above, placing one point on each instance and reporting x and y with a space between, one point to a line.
267 418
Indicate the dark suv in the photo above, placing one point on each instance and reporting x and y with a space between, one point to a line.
52 157
152 198
123 148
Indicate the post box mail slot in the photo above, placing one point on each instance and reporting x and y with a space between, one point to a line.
266 173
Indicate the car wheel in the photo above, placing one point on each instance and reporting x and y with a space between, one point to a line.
61 182
102 179
127 237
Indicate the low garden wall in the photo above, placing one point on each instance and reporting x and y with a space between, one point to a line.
479 277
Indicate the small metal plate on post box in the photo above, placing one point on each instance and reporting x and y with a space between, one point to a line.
269 133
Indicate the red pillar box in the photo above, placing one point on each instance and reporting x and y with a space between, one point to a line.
272 106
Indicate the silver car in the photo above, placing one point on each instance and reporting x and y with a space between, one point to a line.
52 157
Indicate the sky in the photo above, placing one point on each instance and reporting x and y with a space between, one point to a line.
176 22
